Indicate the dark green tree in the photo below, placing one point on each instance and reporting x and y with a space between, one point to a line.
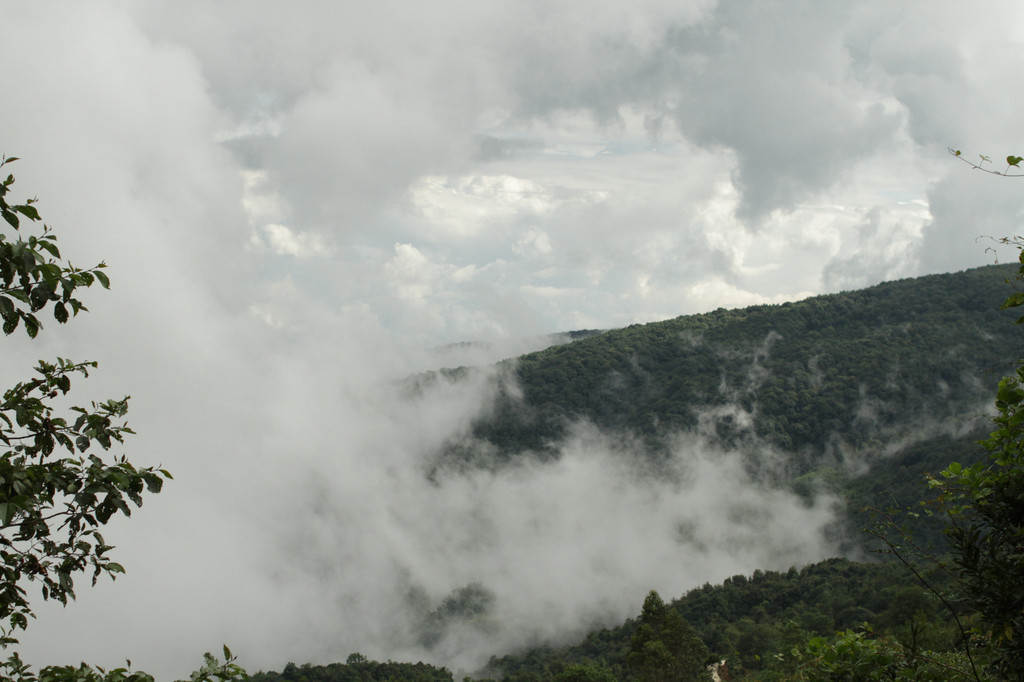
861 656
665 648
582 672
985 507
982 509
58 484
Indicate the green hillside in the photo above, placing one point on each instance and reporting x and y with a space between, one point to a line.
748 618
860 393
745 620
819 376
357 668
833 382
900 375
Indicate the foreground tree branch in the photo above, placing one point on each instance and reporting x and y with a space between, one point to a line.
59 482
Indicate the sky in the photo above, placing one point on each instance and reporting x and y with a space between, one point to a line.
301 202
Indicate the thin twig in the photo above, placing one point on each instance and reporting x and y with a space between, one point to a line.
976 166
949 607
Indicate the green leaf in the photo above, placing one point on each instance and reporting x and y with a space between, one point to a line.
1014 160
50 272
1008 393
154 483
31 326
1013 301
60 313
29 212
10 218
49 247
102 277
40 294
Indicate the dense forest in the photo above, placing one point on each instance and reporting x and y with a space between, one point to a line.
842 370
863 392
745 620
357 668
748 618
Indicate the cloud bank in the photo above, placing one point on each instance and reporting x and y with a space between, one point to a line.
296 201
317 532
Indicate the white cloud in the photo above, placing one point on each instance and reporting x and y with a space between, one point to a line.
459 170
533 243
283 240
475 206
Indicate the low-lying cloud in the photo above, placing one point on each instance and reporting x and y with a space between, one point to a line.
295 201
311 547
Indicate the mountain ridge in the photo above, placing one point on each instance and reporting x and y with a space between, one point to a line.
847 365
858 393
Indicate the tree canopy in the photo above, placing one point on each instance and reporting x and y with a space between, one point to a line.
61 479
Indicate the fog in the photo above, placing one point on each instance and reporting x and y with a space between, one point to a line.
295 201
319 532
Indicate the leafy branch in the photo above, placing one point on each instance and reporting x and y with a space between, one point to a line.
900 543
1011 162
213 670
56 488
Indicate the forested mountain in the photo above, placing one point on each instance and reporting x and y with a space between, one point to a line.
817 377
747 617
745 620
357 668
860 393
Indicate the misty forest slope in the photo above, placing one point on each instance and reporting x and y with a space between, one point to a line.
846 369
861 391
858 393
748 618
854 373
745 619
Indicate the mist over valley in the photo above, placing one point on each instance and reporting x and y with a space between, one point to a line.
462 327
486 509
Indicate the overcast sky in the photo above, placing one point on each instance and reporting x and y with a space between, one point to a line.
297 199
